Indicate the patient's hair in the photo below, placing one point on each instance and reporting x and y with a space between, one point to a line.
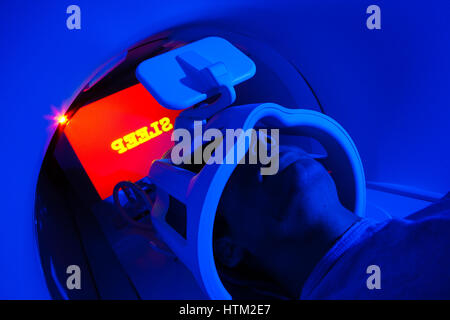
241 281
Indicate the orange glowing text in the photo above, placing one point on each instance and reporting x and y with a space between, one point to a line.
142 135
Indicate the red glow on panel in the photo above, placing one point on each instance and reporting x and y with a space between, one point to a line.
117 138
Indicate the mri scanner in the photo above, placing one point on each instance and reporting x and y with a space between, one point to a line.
375 102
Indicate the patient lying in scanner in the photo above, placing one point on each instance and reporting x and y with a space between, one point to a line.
288 236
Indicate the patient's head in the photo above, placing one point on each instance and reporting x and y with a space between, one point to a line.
270 231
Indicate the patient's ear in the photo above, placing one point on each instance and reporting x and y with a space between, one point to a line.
227 252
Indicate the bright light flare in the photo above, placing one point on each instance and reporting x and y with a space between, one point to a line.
62 119
57 118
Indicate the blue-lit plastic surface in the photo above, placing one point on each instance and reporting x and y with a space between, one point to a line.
188 75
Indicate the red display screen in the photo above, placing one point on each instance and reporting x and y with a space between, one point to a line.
117 138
